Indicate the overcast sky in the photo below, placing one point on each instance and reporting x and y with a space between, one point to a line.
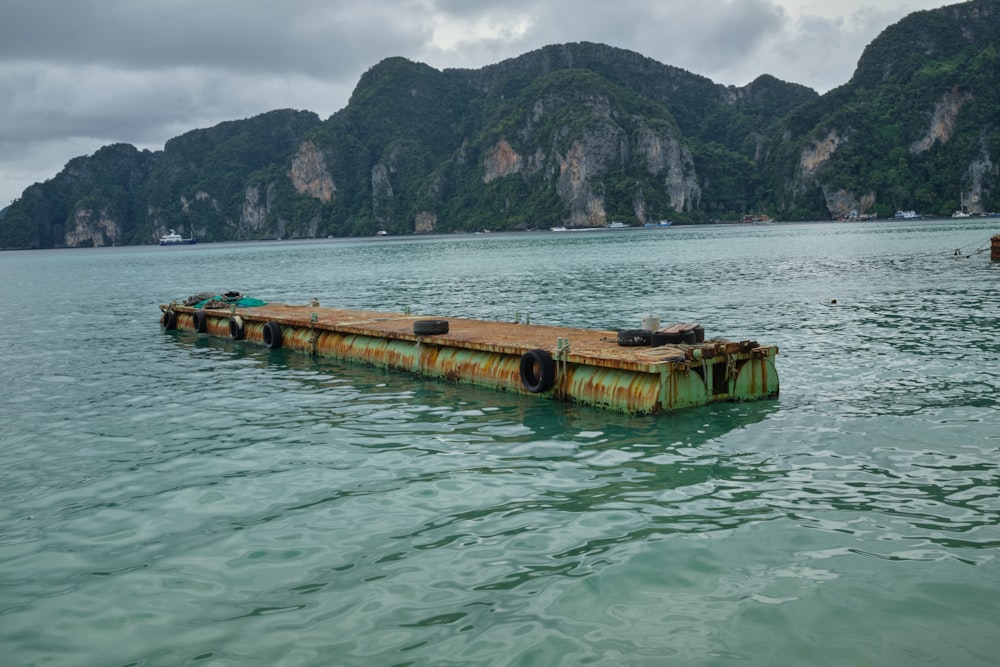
76 75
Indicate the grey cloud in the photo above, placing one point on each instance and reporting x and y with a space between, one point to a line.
323 39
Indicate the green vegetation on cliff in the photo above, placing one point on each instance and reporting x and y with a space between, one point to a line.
576 134
917 125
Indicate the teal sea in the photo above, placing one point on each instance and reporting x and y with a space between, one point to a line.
169 499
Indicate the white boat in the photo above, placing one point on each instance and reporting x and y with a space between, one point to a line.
658 225
381 232
173 238
617 225
558 229
908 215
961 212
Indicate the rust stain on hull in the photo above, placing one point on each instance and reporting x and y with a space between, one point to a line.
583 366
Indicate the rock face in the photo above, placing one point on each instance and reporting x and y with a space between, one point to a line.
844 204
666 156
256 205
89 227
501 161
576 168
981 172
382 194
817 153
942 121
840 202
309 175
425 223
579 172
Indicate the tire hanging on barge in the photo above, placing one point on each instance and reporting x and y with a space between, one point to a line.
200 321
169 320
272 335
538 371
236 330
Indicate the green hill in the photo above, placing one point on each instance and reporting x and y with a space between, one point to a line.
573 134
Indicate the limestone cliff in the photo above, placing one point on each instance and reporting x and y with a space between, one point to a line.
817 153
667 157
576 170
942 122
382 194
849 205
425 223
92 227
603 143
256 205
309 175
502 160
982 174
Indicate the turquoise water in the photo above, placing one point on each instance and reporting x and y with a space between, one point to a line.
168 499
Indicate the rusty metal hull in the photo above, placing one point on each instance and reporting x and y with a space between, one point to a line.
585 366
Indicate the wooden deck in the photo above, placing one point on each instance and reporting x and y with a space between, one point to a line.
586 346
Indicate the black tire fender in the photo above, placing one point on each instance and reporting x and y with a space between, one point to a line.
236 330
658 338
634 337
538 371
430 327
272 335
673 338
200 321
169 320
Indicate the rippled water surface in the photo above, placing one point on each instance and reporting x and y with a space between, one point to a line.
168 499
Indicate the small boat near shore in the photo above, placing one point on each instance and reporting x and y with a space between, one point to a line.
907 215
173 238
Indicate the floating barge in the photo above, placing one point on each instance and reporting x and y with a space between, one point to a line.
589 367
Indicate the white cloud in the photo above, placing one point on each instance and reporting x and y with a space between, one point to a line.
451 33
